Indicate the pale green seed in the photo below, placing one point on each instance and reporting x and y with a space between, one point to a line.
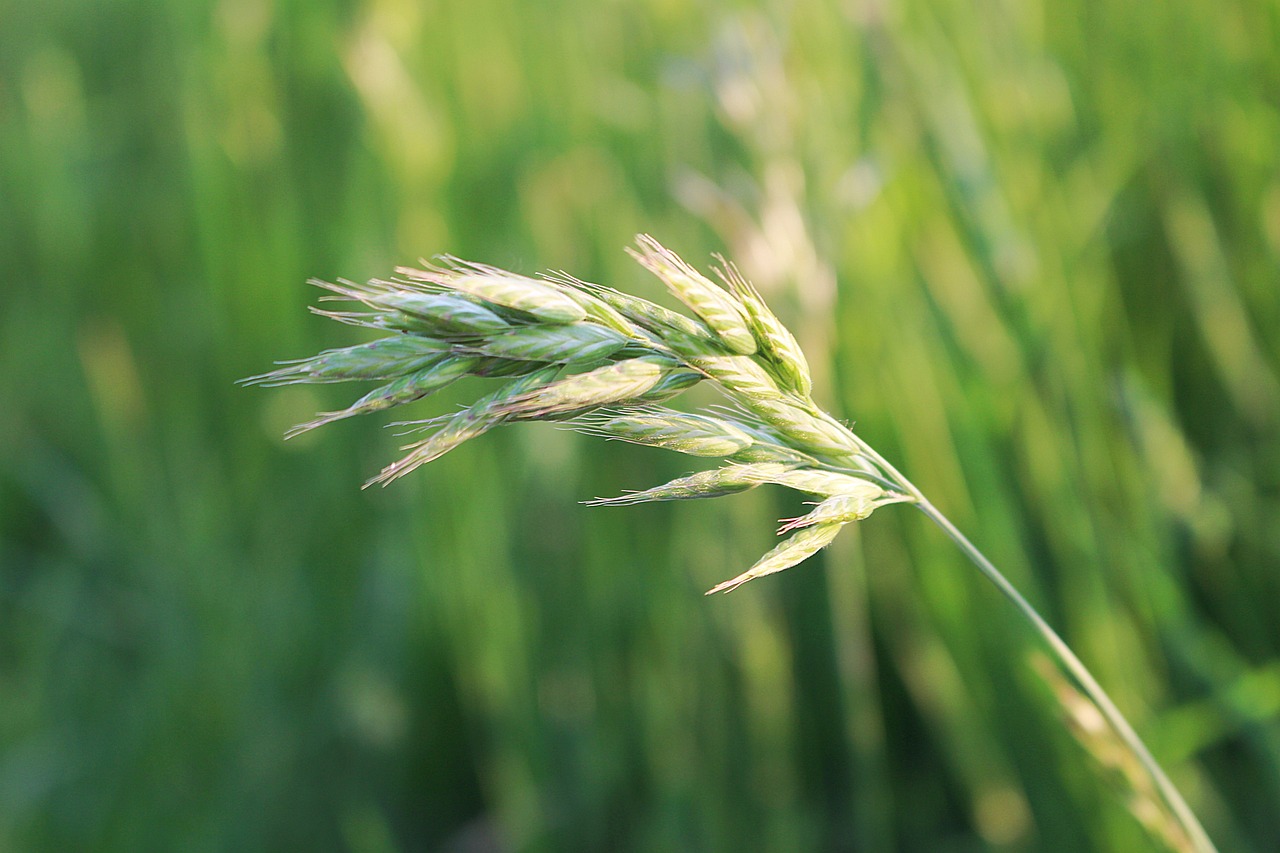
816 481
528 295
800 426
668 325
673 382
598 309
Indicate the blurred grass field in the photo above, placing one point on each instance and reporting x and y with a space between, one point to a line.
1033 249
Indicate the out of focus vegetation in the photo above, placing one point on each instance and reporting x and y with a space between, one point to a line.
1032 248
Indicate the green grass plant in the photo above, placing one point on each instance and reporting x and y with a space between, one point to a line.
603 362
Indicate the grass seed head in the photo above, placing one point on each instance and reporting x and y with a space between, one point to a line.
566 348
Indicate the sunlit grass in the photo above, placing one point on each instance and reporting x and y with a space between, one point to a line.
1032 248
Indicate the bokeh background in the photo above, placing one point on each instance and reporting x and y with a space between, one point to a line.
1031 247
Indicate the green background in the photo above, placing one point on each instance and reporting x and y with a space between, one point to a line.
1032 248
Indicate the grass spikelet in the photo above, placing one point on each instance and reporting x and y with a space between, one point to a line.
793 550
499 287
741 373
801 428
482 416
842 508
719 310
598 309
816 481
696 435
610 385
440 315
383 359
576 344
785 358
670 327
715 483
406 389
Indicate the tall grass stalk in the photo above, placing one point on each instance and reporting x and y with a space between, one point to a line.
603 362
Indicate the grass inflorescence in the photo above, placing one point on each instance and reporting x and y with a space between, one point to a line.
603 362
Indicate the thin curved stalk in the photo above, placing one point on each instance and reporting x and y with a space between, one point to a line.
1200 840
1067 658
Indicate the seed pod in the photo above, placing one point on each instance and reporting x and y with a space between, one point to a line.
704 484
795 549
719 310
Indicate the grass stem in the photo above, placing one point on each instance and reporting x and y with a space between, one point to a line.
1200 841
